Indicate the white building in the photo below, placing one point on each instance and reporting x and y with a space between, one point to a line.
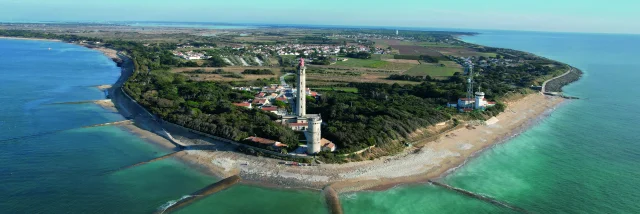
466 104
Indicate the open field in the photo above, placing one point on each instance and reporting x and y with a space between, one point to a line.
385 43
371 77
405 61
263 39
381 56
433 70
463 52
416 50
370 63
224 77
436 45
345 89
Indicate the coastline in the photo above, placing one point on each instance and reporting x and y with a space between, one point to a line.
415 165
32 39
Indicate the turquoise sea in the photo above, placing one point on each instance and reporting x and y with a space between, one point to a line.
582 158
44 171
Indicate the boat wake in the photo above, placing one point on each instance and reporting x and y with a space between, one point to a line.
169 204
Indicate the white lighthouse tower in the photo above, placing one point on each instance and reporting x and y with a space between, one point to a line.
480 101
314 139
301 109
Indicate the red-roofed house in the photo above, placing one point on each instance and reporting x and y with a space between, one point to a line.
267 142
283 99
272 109
243 104
327 145
261 101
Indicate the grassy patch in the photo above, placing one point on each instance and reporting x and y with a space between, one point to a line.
437 45
372 63
345 89
433 70
381 56
487 54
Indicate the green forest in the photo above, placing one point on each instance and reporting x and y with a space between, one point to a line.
376 115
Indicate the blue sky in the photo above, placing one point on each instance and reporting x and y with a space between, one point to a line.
612 16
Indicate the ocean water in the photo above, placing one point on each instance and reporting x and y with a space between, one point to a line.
49 164
583 158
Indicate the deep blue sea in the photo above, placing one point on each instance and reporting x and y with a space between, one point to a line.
583 158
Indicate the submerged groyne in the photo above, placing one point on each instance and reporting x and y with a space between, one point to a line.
124 122
143 162
480 197
197 195
76 102
332 200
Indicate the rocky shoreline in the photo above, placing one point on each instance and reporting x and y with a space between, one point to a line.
556 85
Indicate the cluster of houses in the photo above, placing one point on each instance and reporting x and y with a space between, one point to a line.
190 55
372 36
183 46
486 62
268 95
264 100
301 49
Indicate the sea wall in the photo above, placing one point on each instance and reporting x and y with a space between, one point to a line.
555 85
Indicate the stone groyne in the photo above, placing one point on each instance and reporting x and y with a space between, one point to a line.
197 195
332 200
144 162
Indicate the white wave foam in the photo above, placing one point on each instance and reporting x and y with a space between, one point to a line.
169 204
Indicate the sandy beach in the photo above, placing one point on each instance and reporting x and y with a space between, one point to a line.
33 39
430 160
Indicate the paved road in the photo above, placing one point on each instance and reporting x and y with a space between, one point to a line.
544 85
282 82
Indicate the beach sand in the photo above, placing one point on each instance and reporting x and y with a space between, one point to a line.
149 136
414 165
33 39
106 104
113 54
103 87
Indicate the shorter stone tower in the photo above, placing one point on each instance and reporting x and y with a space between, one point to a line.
314 131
